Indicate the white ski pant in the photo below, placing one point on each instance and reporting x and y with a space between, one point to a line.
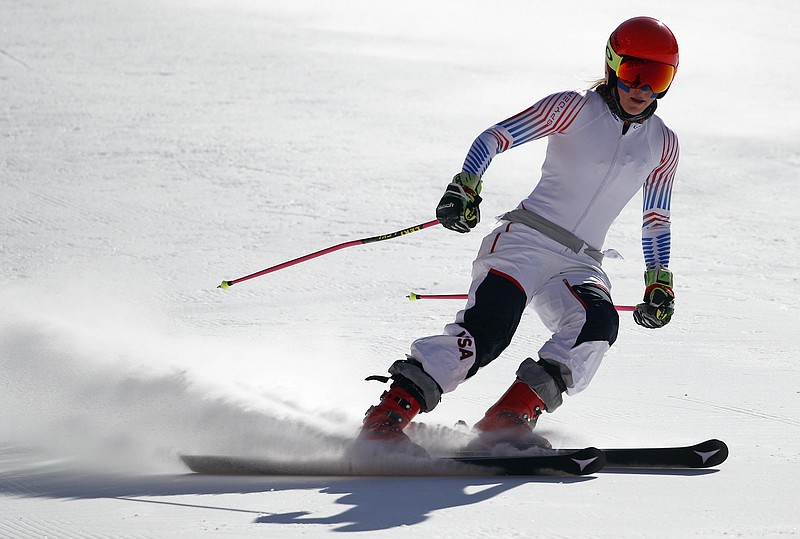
569 291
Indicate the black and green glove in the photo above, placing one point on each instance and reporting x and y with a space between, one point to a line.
659 300
459 208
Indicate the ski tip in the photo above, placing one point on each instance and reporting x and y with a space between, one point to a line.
710 453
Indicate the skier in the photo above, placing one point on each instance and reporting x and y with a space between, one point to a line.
604 144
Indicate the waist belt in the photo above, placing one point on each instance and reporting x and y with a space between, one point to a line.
552 231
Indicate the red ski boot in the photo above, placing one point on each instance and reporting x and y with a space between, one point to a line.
511 419
385 422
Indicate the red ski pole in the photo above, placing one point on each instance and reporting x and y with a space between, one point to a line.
413 296
409 230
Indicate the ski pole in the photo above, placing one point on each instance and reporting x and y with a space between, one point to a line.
409 230
413 296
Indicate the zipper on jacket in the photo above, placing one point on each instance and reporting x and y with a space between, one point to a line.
602 185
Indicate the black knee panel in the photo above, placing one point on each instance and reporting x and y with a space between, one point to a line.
494 318
602 319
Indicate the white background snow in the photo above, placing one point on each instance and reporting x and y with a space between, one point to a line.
150 149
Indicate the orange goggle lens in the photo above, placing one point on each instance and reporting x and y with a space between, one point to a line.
637 73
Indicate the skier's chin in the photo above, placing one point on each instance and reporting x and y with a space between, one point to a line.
634 105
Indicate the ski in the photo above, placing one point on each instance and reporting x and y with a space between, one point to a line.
703 455
563 462
584 461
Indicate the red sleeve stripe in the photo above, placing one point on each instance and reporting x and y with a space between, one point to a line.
553 114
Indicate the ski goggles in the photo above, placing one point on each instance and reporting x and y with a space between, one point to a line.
638 73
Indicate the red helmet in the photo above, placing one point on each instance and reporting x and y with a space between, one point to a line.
643 38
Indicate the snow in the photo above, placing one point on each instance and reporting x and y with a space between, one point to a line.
151 149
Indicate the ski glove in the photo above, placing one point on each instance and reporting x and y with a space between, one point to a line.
659 300
458 210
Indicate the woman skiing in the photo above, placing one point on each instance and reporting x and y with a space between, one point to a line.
604 145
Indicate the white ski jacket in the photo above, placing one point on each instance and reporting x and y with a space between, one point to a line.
591 169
